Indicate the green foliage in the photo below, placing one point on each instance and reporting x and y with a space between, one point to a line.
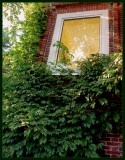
24 47
5 37
57 116
64 55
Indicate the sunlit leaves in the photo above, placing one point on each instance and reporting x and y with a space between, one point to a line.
26 22
56 116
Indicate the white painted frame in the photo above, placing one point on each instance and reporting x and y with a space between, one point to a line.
104 30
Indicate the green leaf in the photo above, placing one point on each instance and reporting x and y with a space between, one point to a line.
108 127
100 145
116 117
92 147
43 140
103 101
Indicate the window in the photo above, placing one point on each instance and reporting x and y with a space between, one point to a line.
83 33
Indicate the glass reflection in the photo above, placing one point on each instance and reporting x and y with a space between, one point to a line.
81 36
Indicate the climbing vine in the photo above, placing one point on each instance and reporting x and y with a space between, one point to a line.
57 116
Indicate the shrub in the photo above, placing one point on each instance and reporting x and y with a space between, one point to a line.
61 116
56 116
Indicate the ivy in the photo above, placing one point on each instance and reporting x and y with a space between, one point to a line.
57 116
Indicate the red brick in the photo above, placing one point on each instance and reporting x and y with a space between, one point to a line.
120 139
107 139
115 19
113 143
114 156
115 139
114 148
112 152
112 135
107 148
121 149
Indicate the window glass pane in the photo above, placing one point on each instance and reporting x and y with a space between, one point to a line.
81 36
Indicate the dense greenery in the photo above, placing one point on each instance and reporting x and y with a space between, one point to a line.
25 34
57 116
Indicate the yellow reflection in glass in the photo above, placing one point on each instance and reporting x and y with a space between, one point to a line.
81 36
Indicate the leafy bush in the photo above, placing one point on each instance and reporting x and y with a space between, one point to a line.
61 116
56 116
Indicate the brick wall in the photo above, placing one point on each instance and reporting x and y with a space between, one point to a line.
115 22
113 145
113 141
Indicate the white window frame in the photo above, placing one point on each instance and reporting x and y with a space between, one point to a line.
104 30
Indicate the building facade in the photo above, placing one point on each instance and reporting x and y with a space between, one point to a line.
108 18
